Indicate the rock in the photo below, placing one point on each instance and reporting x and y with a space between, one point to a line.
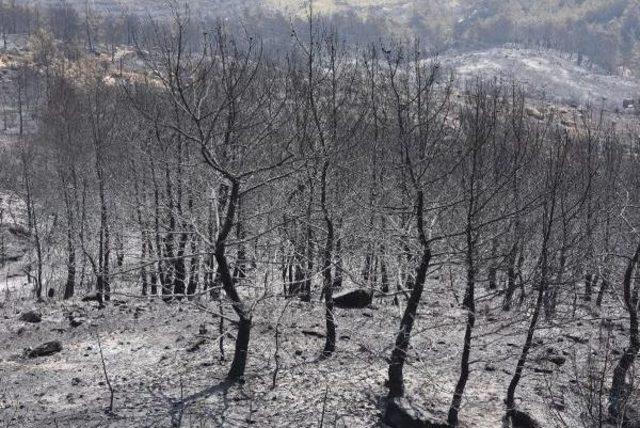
520 419
45 349
357 298
312 333
577 339
489 368
554 357
76 319
196 345
400 413
557 360
31 316
91 297
94 297
76 322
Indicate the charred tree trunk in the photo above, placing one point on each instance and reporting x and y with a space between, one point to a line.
493 266
160 266
468 304
239 362
617 396
542 288
338 277
511 278
179 268
168 287
399 353
144 241
70 284
327 289
240 268
194 271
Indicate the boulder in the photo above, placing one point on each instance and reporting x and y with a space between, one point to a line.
520 419
31 316
357 298
401 413
45 349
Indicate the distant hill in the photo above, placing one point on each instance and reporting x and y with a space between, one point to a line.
606 31
546 75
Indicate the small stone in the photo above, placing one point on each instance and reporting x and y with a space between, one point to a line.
31 317
46 349
557 360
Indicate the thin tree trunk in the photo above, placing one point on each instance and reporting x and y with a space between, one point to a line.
69 288
327 291
617 396
194 270
403 338
468 304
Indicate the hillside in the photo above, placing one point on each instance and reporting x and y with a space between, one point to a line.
605 31
164 364
547 76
